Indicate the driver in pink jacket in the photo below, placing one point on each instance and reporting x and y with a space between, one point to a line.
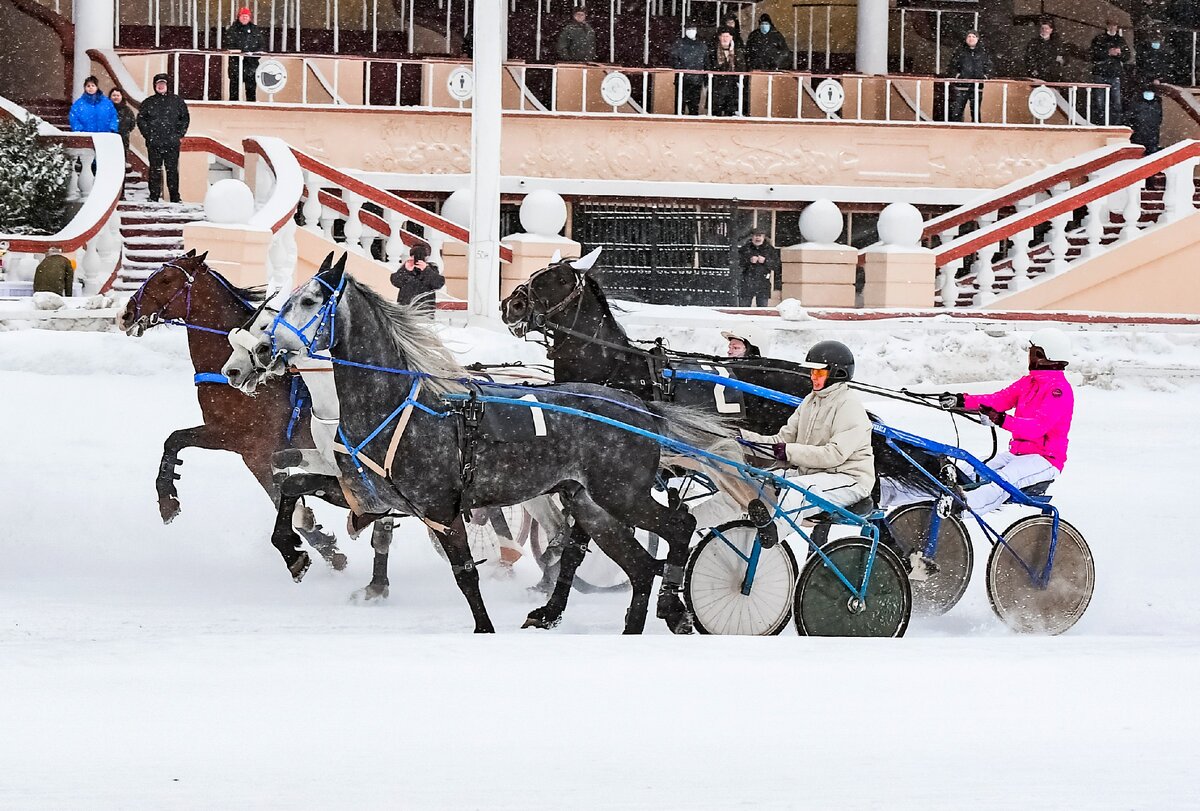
1041 405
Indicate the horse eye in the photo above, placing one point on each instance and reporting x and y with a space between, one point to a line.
307 301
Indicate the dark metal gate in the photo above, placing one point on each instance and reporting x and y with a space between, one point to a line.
660 254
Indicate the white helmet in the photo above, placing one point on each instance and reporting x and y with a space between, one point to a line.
1055 345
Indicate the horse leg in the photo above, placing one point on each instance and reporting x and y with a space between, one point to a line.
381 542
284 536
200 436
675 525
573 550
263 468
454 541
617 541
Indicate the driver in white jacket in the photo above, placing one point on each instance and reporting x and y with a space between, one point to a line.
827 440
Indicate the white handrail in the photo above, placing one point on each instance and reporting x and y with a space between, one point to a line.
287 188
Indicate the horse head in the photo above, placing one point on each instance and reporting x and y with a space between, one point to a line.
546 293
307 322
164 296
252 361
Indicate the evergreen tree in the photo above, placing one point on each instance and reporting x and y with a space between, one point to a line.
33 181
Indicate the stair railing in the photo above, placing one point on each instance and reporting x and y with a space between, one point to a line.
1118 190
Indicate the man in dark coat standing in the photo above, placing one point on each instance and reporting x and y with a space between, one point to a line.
727 58
163 121
766 49
1145 118
1109 55
577 40
1044 58
688 54
971 62
759 266
243 37
417 279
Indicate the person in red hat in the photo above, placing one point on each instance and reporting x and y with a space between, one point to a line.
243 38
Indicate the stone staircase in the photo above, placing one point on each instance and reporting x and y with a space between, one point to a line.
151 234
53 111
1040 253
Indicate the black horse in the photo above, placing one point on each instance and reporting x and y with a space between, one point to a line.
567 305
405 449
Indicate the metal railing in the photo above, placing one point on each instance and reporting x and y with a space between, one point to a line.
342 81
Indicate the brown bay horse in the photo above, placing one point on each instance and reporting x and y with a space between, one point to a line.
187 292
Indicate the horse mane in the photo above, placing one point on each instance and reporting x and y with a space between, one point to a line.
411 333
593 286
249 295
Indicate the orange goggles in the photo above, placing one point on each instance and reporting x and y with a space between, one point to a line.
818 376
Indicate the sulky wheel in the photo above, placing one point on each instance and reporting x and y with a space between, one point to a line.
1016 597
954 558
825 607
715 573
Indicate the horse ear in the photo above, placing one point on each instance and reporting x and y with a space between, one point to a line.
586 262
190 254
333 275
201 257
556 258
326 262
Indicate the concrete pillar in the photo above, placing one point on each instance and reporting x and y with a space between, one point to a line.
239 253
819 275
93 29
899 277
483 293
531 253
871 47
193 176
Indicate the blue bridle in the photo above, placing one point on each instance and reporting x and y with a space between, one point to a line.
326 317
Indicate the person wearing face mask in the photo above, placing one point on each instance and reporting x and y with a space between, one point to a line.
826 444
687 53
1145 118
1042 405
1044 58
1153 59
766 49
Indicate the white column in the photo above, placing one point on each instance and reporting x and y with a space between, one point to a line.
94 20
483 255
871 47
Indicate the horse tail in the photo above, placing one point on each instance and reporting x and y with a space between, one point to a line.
702 429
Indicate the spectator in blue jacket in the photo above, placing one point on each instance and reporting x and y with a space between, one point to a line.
93 112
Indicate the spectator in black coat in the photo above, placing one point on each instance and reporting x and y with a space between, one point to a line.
243 37
1145 117
126 117
766 49
730 24
1044 59
163 121
417 279
1153 60
727 58
688 54
1109 55
971 62
759 267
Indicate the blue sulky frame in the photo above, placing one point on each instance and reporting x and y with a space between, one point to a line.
867 525
895 438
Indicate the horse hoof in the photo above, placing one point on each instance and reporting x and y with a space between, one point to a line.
485 629
299 567
538 619
681 625
338 561
370 593
168 508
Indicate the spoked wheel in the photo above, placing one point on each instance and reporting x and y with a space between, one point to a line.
716 572
488 529
825 607
954 558
1017 598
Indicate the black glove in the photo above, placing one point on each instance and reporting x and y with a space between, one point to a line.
949 400
780 451
996 417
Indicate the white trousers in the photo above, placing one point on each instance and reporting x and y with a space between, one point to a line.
1020 471
838 488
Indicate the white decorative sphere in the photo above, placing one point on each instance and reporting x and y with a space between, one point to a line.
21 266
543 212
457 208
821 222
901 224
229 202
